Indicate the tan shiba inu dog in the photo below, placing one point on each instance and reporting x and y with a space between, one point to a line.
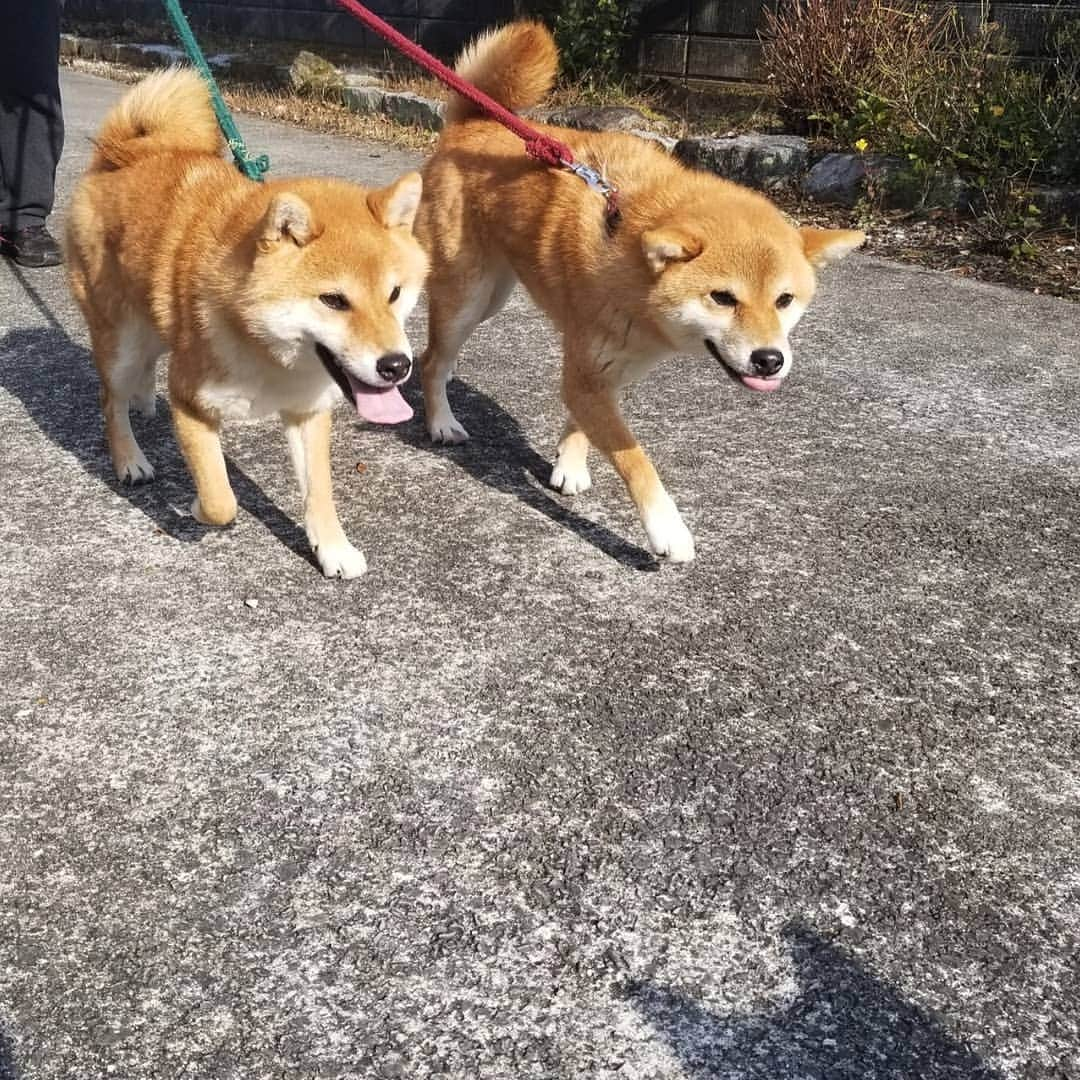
271 298
694 264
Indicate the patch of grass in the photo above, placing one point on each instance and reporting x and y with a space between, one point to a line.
325 116
106 69
732 109
624 93
410 80
281 104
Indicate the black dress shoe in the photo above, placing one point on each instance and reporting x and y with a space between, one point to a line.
31 245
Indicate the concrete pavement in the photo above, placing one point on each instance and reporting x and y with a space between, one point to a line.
519 803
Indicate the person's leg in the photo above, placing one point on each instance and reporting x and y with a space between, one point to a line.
31 127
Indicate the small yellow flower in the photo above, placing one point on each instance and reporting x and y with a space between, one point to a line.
998 110
861 145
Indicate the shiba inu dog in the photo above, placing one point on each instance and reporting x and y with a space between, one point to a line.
280 297
694 264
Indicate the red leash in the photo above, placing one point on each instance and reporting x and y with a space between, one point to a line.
537 145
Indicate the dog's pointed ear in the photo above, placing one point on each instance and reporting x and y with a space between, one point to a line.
395 206
288 218
823 246
667 245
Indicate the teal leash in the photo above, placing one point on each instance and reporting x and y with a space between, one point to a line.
252 168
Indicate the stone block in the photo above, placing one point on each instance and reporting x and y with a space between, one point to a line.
760 161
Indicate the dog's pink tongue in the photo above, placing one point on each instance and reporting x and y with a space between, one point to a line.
752 382
383 406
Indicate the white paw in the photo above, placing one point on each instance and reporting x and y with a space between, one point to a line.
134 469
443 428
570 481
340 559
668 535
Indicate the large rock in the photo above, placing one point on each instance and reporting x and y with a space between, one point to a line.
311 74
598 118
666 141
162 55
365 100
401 107
222 61
259 72
413 109
149 56
761 161
889 182
1057 204
84 47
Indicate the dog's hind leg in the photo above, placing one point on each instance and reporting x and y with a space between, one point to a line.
144 348
457 306
124 355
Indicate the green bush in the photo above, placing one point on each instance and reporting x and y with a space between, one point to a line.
817 53
912 81
591 35
1063 97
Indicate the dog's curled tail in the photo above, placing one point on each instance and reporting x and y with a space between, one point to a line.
516 65
169 110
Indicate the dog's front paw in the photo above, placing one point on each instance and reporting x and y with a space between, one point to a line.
341 560
134 469
570 480
220 514
668 535
446 429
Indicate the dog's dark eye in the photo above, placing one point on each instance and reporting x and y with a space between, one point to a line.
724 298
395 292
335 301
784 300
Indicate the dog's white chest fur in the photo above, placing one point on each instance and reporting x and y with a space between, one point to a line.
254 386
269 393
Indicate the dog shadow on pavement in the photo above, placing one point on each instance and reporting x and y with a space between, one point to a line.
503 459
55 380
843 1024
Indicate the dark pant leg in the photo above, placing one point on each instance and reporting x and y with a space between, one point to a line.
31 123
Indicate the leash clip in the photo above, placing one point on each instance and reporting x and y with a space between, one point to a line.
590 176
604 188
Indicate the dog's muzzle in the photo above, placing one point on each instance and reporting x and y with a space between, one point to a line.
765 362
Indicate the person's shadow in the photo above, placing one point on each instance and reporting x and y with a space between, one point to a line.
843 1024
502 459
8 1071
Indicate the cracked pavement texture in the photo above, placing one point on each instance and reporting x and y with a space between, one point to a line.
519 803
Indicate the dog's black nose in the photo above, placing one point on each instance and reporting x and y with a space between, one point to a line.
393 367
766 361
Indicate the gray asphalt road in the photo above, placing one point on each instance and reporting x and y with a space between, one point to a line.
519 803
